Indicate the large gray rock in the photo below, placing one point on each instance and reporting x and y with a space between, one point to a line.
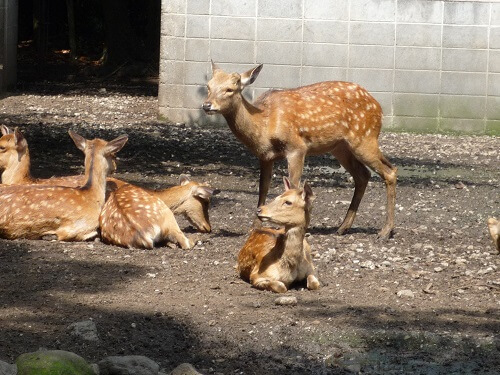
128 365
50 362
7 368
86 329
185 369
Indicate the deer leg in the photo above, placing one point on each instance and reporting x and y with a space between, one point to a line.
267 284
360 174
295 167
370 154
266 171
312 282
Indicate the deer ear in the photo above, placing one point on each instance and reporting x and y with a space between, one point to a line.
21 143
287 183
116 144
183 179
203 192
214 66
249 77
5 130
307 193
78 139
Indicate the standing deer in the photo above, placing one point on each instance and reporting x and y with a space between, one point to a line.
273 259
337 117
494 228
136 217
71 214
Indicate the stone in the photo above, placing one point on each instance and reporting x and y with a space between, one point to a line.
128 365
7 368
406 293
86 330
185 369
286 301
49 362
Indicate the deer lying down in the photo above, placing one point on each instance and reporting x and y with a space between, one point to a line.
72 214
494 228
273 259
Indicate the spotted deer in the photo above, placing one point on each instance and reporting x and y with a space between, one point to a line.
273 259
341 118
494 228
69 213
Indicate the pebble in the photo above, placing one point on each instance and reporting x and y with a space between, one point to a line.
286 301
406 293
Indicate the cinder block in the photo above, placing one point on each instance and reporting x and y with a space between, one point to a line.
495 14
465 36
494 61
284 53
172 48
461 83
462 126
466 13
465 60
494 84
493 127
197 50
171 96
234 8
372 79
326 32
171 72
173 6
232 28
493 108
197 73
275 76
198 27
411 81
420 11
385 101
233 51
174 115
173 25
460 106
369 33
373 10
371 57
424 125
415 58
281 30
418 35
416 105
327 9
194 96
324 54
280 9
495 37
198 6
318 74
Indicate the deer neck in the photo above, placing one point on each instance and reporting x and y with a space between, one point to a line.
95 177
294 242
174 196
18 171
245 121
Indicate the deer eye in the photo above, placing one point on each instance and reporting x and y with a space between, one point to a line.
288 203
2 148
229 91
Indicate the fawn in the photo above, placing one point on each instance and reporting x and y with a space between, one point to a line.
136 217
69 213
494 228
341 118
273 259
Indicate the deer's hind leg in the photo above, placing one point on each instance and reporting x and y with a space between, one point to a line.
369 154
359 173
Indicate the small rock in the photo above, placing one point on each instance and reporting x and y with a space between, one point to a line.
128 365
185 369
438 269
367 264
7 369
406 293
52 362
86 330
286 301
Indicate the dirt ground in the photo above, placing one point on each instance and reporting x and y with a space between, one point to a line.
177 306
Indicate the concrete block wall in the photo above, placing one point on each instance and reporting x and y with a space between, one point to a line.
8 44
433 65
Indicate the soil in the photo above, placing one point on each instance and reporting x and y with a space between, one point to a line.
177 306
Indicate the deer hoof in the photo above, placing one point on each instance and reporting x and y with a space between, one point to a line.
385 233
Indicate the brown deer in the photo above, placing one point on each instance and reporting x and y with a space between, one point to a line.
341 118
273 259
71 214
494 228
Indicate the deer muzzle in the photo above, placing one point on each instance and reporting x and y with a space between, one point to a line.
208 108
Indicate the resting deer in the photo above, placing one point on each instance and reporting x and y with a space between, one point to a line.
141 218
494 228
71 214
273 259
341 118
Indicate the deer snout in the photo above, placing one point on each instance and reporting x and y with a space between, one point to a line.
261 215
207 107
